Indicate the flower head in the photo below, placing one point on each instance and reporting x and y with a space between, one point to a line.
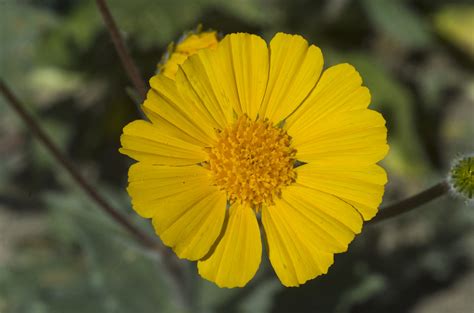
189 44
250 130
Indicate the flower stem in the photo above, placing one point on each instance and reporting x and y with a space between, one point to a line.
168 259
69 167
119 44
412 202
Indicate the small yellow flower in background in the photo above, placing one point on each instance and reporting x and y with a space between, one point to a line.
249 130
190 44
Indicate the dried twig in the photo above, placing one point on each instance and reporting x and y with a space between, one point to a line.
69 167
127 61
168 259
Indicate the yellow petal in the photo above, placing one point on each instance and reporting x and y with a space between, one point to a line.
195 42
237 255
327 232
250 67
190 44
294 71
328 207
198 82
353 137
191 223
172 64
143 141
151 186
177 117
188 213
231 77
338 90
360 186
293 244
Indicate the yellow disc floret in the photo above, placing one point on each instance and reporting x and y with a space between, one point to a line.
252 161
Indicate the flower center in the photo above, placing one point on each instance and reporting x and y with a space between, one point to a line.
252 161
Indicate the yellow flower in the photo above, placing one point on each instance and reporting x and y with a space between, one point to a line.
248 130
189 45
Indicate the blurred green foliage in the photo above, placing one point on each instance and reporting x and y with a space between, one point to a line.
415 56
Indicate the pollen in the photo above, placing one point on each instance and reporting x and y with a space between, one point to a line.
252 161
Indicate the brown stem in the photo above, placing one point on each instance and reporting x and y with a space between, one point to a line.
67 164
134 75
167 258
412 202
127 61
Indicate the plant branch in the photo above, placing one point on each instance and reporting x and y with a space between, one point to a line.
119 44
134 74
412 202
69 167
146 241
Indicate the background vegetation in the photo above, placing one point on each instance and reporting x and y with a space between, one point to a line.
59 254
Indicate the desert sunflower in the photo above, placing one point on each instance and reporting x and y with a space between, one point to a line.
247 132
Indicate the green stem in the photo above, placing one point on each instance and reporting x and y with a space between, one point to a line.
411 203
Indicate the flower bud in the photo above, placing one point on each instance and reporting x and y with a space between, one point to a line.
461 177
